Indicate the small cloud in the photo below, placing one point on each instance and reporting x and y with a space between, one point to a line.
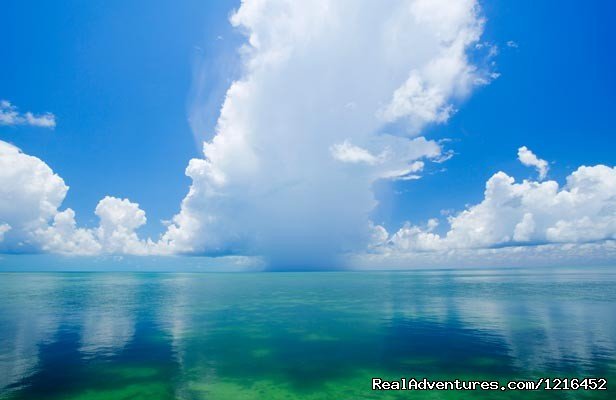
408 173
349 153
412 177
10 116
444 157
529 159
512 44
493 51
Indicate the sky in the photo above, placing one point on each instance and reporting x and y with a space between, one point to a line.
337 134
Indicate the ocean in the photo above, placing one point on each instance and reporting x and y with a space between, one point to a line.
320 335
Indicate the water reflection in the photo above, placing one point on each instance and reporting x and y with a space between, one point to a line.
296 335
109 308
27 321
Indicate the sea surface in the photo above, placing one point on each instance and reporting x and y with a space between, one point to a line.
303 335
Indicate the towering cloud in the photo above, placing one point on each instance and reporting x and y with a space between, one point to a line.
332 98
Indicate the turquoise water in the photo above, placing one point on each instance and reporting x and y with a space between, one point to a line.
301 335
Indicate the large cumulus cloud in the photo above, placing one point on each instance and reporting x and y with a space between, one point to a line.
332 97
31 195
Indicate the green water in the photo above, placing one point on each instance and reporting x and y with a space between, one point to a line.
301 335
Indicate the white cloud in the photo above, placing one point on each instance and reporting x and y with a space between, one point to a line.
529 159
346 152
30 194
30 220
511 43
116 233
119 219
553 254
529 213
63 236
417 238
418 102
9 115
310 123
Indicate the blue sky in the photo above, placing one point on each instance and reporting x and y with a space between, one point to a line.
137 86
